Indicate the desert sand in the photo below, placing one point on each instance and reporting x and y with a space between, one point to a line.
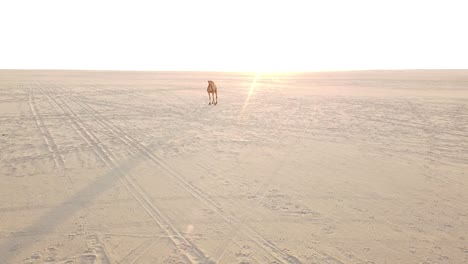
328 167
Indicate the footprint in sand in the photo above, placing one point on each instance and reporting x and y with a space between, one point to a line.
33 259
88 258
36 255
330 229
50 259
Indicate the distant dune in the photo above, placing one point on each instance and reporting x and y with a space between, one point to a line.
319 167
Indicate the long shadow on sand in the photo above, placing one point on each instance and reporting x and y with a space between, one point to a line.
22 240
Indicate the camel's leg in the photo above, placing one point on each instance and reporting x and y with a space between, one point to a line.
209 98
216 93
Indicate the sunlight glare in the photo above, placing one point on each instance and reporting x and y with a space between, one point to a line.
253 85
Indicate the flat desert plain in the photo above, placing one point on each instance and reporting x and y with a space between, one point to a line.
328 167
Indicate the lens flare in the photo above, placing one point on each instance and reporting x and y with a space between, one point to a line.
253 85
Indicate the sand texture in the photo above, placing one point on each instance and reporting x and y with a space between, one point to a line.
135 167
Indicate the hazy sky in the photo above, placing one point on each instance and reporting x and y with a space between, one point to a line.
233 35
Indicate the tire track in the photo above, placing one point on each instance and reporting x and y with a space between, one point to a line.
138 148
47 137
139 251
58 160
194 191
191 252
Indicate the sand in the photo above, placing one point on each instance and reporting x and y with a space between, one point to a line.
330 167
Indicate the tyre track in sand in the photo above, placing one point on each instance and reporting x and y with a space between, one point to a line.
139 148
60 166
189 250
49 141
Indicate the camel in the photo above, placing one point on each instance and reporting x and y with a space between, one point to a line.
212 91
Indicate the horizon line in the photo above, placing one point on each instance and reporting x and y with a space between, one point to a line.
242 71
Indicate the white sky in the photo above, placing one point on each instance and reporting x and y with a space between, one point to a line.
233 35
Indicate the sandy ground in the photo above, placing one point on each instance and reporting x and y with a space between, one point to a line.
136 167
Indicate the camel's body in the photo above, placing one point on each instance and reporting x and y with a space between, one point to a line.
212 92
